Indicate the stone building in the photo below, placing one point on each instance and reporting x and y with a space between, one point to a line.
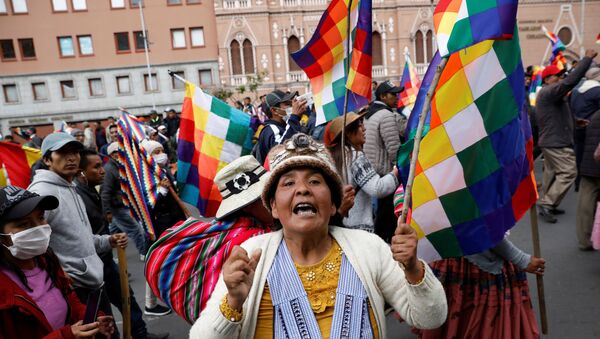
78 60
257 36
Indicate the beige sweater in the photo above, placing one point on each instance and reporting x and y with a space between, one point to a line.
423 305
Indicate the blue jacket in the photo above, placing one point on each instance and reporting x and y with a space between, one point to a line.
273 134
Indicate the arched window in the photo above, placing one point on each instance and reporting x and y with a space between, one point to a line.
293 45
248 53
236 58
377 49
420 58
429 45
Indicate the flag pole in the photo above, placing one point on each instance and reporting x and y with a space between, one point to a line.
417 140
535 237
346 71
125 298
171 73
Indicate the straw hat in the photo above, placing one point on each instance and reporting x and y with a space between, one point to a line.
301 151
240 183
334 128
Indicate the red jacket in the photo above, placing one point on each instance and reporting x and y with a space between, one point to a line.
20 317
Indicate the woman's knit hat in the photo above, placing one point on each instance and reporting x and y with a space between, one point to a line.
298 152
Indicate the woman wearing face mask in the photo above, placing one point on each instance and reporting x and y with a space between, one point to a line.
166 212
36 298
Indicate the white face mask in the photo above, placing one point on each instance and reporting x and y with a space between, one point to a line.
30 242
161 159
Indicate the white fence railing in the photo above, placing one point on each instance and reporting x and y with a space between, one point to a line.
378 71
238 80
296 76
296 3
232 4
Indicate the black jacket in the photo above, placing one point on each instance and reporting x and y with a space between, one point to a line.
166 212
268 138
589 167
112 196
172 126
553 116
93 208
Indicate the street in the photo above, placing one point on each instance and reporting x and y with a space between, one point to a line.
572 282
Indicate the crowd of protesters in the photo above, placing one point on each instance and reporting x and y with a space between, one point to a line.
72 216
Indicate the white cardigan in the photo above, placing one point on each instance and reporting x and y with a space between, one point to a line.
423 306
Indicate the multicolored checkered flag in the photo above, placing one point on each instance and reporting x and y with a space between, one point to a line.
333 71
211 135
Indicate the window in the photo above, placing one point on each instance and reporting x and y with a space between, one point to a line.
173 2
40 92
178 38
429 45
122 42
59 5
565 34
19 6
248 51
236 57
150 86
95 85
293 45
206 77
175 83
85 45
27 48
8 50
3 7
10 93
117 3
79 5
419 48
139 40
134 3
65 43
197 36
67 89
193 1
123 85
377 49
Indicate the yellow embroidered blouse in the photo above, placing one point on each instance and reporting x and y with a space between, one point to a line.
320 282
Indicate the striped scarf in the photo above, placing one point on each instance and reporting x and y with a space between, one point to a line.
184 264
293 314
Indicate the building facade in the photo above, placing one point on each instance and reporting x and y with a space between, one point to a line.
257 36
76 60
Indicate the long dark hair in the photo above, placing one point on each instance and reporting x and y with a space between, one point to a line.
336 148
47 261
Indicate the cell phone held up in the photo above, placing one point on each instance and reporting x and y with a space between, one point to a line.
92 305
308 96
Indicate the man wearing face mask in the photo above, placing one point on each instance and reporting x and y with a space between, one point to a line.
284 121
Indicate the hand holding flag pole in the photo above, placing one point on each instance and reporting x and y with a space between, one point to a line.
417 140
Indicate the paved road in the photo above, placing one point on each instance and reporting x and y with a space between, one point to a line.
572 282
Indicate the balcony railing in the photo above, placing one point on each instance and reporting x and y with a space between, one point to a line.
297 3
378 71
421 69
232 4
296 76
238 80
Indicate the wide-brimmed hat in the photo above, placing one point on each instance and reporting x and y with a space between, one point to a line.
301 151
333 130
240 183
17 203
